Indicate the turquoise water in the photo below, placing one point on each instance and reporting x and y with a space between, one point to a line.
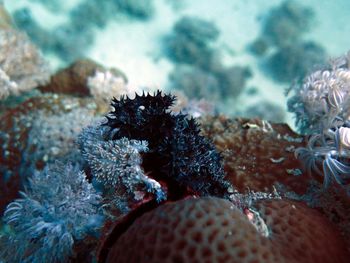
236 58
132 39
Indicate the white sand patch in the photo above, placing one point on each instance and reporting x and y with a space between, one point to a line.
136 47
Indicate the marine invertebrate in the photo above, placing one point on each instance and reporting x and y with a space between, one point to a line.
321 108
22 68
57 209
328 154
52 138
214 230
116 167
37 132
321 101
177 152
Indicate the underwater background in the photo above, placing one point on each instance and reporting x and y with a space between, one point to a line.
266 45
174 131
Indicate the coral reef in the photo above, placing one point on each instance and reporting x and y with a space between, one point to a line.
58 208
321 107
22 68
321 100
214 230
103 85
74 79
266 111
36 133
116 168
257 154
176 150
333 203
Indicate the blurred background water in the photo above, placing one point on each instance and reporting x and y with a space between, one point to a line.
239 55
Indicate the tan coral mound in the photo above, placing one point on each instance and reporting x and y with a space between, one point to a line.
257 154
213 230
73 79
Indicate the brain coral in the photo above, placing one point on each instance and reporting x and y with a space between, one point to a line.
213 230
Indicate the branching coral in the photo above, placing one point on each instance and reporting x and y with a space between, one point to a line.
58 208
176 150
21 65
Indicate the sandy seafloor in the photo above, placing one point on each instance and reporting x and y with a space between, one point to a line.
135 46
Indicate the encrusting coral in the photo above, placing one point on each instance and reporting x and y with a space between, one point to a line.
257 154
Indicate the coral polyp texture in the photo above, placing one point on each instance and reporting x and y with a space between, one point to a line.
214 230
21 68
177 152
57 209
36 133
116 168
321 105
322 100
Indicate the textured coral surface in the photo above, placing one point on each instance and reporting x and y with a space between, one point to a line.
257 154
213 230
